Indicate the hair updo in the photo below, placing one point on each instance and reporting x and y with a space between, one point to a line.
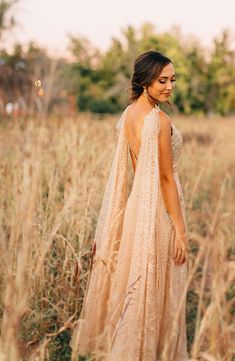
147 68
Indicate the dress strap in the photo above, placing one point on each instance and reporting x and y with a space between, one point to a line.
121 120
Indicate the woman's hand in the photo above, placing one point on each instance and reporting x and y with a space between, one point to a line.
180 255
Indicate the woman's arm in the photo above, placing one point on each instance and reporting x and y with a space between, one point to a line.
169 188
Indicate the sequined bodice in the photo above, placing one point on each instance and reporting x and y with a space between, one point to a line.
176 142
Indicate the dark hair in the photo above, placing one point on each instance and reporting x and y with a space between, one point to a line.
147 68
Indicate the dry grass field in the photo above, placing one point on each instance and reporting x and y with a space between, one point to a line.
52 177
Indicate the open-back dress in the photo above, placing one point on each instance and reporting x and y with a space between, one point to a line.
134 306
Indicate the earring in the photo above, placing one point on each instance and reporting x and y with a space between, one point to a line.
145 92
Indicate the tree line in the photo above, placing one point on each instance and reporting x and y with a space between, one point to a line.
100 80
205 78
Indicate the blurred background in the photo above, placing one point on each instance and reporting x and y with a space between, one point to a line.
65 69
72 56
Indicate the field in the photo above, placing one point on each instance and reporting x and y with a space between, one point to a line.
52 176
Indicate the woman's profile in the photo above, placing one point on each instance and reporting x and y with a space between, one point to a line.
134 306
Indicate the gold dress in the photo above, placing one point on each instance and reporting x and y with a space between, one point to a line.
134 307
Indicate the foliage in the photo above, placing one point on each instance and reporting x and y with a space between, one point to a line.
100 81
7 20
205 81
59 349
52 175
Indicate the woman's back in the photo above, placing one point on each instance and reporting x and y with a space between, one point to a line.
134 121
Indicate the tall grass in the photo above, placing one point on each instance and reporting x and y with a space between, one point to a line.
52 177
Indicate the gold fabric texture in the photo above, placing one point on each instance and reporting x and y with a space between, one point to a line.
134 306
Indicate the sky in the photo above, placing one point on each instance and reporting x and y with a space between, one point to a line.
49 22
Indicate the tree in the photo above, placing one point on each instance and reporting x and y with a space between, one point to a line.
7 20
204 84
221 77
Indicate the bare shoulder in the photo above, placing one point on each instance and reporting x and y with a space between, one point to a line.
165 122
138 111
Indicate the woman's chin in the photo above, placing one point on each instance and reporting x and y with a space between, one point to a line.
164 98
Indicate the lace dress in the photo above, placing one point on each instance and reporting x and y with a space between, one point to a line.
134 307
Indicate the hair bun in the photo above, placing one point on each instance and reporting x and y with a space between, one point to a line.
137 86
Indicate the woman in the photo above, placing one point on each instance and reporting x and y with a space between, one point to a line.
134 308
